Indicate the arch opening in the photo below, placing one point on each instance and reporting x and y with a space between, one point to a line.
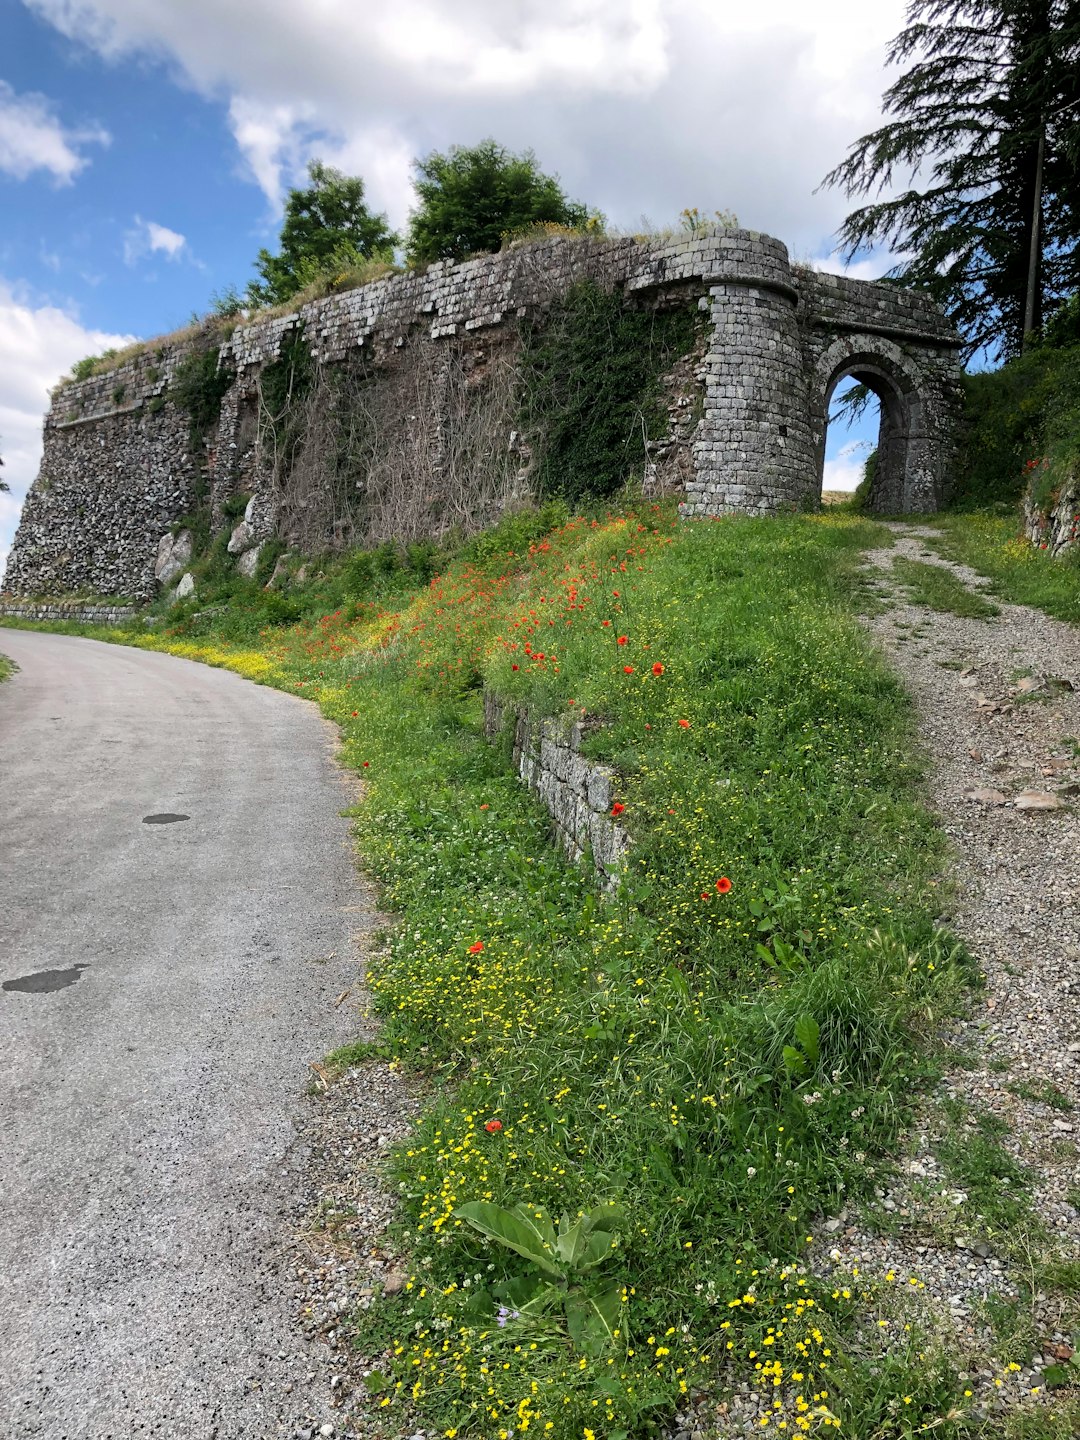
853 425
897 409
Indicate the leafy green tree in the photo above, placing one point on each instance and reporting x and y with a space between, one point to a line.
472 197
327 225
983 109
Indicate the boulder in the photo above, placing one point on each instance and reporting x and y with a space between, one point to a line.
249 562
240 539
186 587
173 553
280 575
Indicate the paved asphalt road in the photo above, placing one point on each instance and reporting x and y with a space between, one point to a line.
149 1084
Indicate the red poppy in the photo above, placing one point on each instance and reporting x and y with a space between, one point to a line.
723 885
514 667
475 949
622 640
485 807
628 669
685 724
657 668
617 808
493 1127
704 894
366 764
355 713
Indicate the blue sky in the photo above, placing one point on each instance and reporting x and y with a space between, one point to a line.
145 145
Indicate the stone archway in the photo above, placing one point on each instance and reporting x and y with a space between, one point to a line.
910 470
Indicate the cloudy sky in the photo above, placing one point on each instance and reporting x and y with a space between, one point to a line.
145 145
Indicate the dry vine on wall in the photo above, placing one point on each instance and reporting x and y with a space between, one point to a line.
421 446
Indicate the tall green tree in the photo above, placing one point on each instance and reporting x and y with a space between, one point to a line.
326 224
473 196
980 114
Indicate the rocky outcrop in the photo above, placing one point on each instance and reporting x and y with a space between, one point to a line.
173 555
1052 517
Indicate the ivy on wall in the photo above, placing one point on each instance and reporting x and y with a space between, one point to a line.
591 396
198 387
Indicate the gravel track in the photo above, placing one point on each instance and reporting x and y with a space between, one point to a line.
998 701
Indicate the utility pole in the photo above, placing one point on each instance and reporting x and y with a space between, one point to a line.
1036 245
1035 249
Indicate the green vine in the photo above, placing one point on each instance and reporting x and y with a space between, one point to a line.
591 391
284 384
198 387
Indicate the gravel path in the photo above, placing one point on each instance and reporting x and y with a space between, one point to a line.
999 708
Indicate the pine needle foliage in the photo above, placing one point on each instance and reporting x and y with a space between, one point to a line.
983 79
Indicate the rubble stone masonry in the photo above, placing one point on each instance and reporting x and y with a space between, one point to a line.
119 469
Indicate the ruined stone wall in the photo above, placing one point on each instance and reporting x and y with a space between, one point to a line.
577 793
415 382
117 470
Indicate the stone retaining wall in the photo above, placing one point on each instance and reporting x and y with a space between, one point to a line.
577 792
84 613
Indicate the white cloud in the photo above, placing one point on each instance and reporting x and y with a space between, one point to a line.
38 344
844 471
32 138
868 267
149 238
641 106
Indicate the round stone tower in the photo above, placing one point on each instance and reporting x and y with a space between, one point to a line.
755 451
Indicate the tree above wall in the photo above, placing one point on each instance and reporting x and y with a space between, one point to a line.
327 225
472 197
986 112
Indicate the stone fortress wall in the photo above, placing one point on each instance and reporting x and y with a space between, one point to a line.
429 359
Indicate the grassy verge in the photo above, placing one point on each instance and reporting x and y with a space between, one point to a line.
938 589
7 668
989 542
691 1071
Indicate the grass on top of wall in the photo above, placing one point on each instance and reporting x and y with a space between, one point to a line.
692 1071
991 543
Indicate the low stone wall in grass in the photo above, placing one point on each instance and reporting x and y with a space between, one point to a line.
1054 524
85 613
577 792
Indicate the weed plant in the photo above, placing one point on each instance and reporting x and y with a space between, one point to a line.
1020 572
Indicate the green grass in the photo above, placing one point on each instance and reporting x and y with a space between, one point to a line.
1044 1094
7 668
711 1063
724 1067
939 589
989 541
